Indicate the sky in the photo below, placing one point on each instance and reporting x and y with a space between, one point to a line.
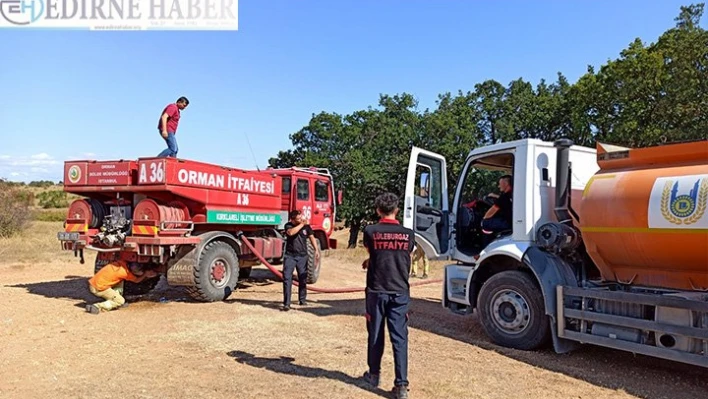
70 94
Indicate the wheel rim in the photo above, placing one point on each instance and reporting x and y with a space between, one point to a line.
219 272
510 311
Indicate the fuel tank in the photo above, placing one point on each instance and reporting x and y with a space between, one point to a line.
644 219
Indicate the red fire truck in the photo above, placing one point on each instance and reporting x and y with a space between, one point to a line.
187 218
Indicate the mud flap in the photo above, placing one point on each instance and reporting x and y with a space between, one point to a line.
551 271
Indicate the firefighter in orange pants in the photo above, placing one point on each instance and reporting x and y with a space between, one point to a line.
418 254
107 284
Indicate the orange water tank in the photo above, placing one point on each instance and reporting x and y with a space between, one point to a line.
644 218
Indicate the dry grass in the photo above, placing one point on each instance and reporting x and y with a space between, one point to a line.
50 215
37 244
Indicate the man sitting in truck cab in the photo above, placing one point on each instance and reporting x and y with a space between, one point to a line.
498 217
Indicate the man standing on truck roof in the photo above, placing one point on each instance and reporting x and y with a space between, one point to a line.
297 233
498 217
167 126
107 284
388 291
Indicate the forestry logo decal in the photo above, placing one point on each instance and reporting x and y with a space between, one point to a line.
679 202
74 174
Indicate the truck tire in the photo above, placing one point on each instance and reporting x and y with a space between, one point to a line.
129 288
512 311
215 273
313 265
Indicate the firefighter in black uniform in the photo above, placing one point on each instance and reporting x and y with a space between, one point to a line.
387 291
298 232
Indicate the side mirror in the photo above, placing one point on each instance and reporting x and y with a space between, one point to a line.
424 185
340 195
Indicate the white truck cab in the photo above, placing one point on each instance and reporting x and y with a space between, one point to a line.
536 282
446 229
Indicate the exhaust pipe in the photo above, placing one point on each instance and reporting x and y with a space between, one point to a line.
562 180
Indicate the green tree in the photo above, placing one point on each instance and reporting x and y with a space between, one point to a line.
452 130
650 94
492 112
365 152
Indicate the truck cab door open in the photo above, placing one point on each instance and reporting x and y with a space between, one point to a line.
426 209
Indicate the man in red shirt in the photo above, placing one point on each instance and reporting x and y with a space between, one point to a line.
167 126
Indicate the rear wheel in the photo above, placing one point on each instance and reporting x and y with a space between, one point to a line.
313 264
216 273
512 311
129 288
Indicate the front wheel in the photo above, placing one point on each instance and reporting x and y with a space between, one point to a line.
313 264
512 311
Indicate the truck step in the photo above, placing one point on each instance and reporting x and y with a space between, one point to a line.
458 281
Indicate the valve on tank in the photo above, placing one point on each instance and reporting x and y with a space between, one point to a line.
557 237
116 225
114 230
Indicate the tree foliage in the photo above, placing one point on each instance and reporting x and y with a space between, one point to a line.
651 94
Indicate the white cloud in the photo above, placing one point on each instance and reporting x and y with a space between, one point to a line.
33 167
42 159
42 166
42 156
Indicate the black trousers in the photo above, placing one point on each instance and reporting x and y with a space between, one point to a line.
391 309
290 263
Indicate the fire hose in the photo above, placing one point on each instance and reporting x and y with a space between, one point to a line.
342 290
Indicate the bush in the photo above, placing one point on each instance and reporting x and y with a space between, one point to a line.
13 183
51 215
15 211
25 196
41 184
53 199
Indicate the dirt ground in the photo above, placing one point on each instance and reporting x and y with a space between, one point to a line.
163 345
